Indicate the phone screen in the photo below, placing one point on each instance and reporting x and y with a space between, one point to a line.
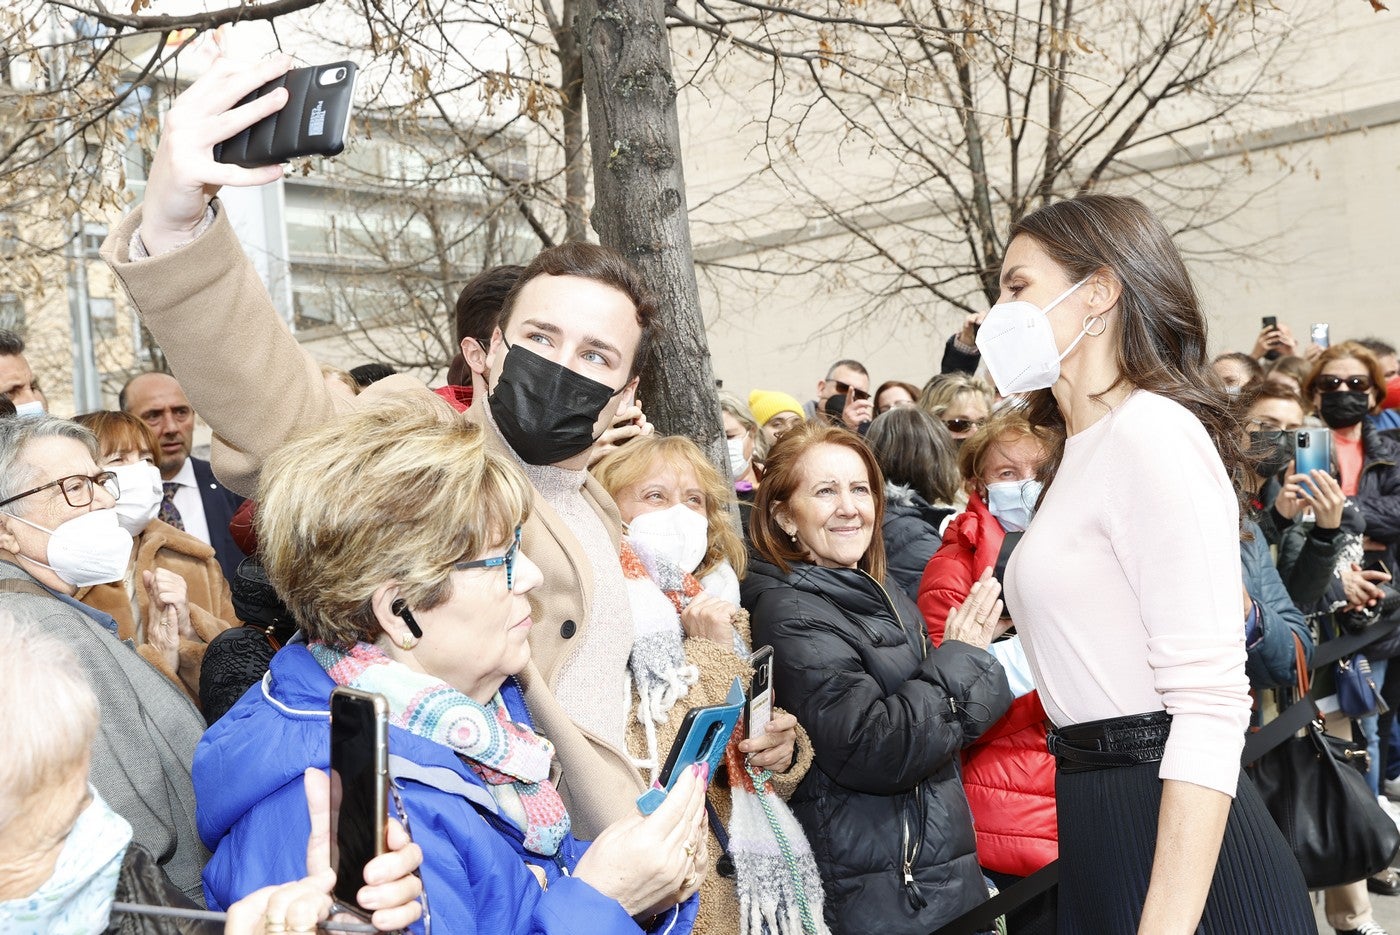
760 705
1319 335
359 783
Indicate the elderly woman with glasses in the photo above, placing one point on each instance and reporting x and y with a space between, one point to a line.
171 599
393 536
59 533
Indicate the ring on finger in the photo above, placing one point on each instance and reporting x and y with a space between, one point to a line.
274 926
689 849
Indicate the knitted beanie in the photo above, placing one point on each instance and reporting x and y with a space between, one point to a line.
765 404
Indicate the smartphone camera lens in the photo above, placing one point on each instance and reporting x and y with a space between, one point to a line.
332 76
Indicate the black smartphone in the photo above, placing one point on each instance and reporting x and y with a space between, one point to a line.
314 122
759 710
1270 321
359 786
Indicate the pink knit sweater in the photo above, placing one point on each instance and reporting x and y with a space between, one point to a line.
1127 587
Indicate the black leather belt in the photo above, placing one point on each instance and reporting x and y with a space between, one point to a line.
1110 743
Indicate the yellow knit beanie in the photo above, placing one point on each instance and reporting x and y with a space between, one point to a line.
765 404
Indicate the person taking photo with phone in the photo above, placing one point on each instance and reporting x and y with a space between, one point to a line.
425 599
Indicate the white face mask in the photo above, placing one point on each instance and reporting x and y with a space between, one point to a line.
677 534
1018 344
91 548
738 464
1013 503
141 495
30 410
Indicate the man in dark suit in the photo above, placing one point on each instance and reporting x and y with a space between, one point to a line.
194 500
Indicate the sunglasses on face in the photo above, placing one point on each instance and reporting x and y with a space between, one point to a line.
1327 383
854 392
963 425
507 560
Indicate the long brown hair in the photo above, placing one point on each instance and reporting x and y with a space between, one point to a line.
781 473
1162 332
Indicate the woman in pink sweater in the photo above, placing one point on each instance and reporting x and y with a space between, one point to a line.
1127 587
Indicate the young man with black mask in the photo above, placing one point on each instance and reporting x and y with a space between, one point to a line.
573 335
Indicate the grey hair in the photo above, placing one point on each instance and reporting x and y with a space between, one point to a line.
38 672
11 344
16 475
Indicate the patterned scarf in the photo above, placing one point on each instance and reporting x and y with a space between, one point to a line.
510 758
655 587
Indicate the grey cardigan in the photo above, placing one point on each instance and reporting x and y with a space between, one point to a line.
144 748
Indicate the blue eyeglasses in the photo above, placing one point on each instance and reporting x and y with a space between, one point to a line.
507 560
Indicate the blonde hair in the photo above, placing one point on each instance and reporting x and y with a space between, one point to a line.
396 491
943 390
739 409
39 673
632 462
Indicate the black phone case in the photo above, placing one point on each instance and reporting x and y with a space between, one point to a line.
313 122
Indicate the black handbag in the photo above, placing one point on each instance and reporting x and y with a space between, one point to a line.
1315 788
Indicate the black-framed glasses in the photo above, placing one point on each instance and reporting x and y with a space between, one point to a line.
855 392
1330 383
507 560
964 425
77 488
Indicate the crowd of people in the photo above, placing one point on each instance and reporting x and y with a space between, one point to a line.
1013 619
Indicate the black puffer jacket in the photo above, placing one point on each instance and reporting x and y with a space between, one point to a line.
910 530
887 716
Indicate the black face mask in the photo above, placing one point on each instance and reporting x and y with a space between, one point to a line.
1272 449
1342 410
546 412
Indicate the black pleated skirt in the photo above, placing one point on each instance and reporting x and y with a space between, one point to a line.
1108 832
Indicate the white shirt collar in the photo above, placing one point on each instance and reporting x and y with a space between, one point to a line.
185 477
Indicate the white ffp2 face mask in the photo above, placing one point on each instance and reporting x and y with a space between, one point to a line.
738 464
91 548
678 534
1018 344
141 495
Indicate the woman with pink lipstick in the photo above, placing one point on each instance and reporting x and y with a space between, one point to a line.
393 536
887 714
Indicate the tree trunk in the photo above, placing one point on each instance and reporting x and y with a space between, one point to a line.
640 206
575 162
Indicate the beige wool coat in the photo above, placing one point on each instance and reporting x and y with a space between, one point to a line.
161 545
257 387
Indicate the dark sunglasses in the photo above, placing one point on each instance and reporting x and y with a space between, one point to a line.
963 425
1327 383
855 392
507 560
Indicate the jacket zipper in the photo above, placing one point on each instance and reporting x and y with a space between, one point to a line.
889 603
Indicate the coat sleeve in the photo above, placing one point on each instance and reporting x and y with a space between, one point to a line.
1308 564
1271 660
1379 502
259 388
958 361
945 584
863 738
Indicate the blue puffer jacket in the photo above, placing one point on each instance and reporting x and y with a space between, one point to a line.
252 816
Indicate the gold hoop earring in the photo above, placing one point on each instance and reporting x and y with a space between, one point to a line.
1089 324
407 642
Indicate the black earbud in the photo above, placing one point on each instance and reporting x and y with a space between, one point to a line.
400 609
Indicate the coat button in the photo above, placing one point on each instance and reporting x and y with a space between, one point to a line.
568 630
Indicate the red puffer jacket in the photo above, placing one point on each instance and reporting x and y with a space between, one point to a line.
1008 774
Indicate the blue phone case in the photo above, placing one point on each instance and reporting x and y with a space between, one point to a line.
709 730
1315 454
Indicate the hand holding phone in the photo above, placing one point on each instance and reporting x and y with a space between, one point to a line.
702 737
359 786
314 121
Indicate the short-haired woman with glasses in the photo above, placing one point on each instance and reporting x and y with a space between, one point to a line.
961 400
393 536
